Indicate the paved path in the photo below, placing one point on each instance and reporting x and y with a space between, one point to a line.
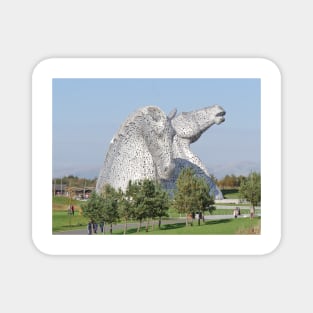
232 207
134 225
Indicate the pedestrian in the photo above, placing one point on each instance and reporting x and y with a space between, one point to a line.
95 227
251 212
102 227
235 213
72 209
89 228
238 208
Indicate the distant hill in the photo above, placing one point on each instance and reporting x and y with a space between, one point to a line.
237 168
219 170
89 173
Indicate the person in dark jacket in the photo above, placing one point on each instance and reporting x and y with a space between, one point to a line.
89 228
102 227
95 227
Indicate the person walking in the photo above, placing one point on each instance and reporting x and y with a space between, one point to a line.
102 227
251 213
235 213
95 227
89 228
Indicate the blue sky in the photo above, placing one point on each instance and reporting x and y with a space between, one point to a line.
88 112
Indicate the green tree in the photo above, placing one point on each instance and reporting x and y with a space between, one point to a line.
92 208
148 201
232 181
108 210
134 190
183 195
240 179
161 203
125 209
192 194
145 201
148 191
203 200
102 208
250 190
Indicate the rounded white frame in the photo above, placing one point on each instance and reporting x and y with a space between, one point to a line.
261 68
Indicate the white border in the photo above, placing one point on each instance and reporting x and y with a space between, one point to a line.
261 68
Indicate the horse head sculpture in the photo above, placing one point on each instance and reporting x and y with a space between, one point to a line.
189 126
142 148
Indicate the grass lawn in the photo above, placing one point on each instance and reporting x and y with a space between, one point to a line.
230 193
217 211
61 221
213 227
230 211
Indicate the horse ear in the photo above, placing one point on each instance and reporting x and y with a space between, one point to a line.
172 114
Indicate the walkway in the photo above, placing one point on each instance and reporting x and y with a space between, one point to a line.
164 222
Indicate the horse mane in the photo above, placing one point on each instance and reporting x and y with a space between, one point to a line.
134 126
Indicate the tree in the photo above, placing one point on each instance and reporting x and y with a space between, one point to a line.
250 189
161 203
109 198
230 181
134 191
102 208
147 192
192 194
145 201
183 197
125 209
240 179
92 208
148 200
203 199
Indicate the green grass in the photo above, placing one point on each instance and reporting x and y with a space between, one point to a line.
230 211
212 227
230 193
63 202
234 204
217 211
64 222
61 221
